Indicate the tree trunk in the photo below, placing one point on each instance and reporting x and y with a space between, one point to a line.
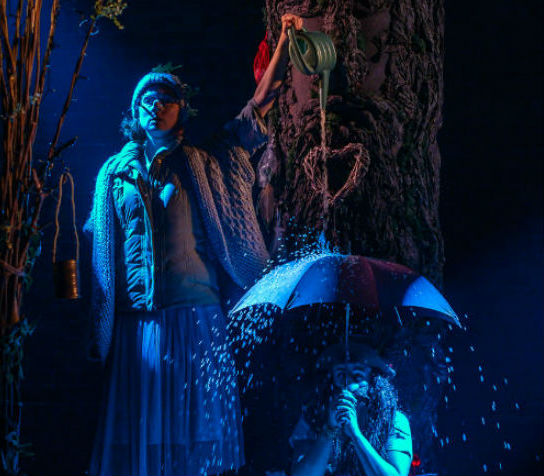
376 191
384 113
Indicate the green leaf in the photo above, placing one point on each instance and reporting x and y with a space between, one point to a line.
166 68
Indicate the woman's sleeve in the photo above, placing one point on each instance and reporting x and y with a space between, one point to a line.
246 130
235 143
400 438
302 433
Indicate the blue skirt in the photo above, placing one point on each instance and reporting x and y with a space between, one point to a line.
172 404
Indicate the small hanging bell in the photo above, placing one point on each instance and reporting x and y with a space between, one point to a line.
66 272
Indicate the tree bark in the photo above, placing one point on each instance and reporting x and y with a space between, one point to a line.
382 167
384 113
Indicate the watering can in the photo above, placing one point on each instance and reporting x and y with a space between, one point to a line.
313 52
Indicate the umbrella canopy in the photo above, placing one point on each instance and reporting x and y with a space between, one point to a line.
373 284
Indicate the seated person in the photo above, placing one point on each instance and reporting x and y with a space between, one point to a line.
353 425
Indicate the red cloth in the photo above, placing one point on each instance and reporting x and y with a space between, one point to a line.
262 60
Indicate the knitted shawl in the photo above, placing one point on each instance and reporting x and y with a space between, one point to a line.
222 179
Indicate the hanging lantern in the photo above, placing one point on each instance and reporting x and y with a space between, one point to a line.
66 272
262 60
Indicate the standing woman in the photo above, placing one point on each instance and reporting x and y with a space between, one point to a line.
169 219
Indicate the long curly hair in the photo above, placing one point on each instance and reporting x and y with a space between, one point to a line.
376 424
131 128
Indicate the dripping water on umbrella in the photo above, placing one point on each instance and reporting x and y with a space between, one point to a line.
250 329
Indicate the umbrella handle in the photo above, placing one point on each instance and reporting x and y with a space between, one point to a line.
347 343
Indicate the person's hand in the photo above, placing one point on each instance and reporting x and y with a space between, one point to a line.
346 413
287 21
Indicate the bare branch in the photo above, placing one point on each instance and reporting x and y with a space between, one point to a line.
48 49
3 81
5 43
60 149
16 36
68 101
38 51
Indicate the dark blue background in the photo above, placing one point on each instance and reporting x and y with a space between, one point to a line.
491 211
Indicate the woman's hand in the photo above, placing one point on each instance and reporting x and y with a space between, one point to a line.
269 86
346 413
287 21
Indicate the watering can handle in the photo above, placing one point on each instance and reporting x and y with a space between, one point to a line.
299 61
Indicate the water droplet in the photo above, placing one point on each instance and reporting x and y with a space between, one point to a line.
493 406
484 467
464 437
483 421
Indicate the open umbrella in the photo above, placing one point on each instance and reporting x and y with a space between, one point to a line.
332 278
391 295
375 285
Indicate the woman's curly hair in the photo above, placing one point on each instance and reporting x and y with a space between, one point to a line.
131 128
